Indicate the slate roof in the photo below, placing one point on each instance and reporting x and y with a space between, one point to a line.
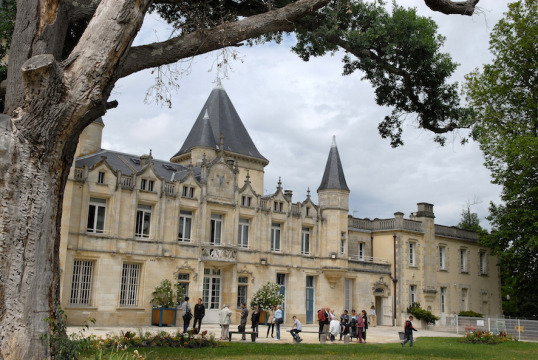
129 164
218 116
333 177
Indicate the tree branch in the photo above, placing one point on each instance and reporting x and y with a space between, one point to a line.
449 7
228 34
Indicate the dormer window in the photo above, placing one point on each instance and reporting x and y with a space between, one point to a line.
278 206
101 177
246 201
188 192
146 185
308 211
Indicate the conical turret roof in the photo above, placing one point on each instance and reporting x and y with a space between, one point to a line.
219 117
333 177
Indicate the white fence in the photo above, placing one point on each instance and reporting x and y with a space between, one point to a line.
524 330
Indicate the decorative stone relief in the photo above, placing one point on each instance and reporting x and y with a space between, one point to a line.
218 253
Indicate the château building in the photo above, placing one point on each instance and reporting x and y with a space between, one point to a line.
202 220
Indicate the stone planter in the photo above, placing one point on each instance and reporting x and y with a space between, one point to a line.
163 316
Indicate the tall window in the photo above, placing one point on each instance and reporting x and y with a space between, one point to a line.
278 206
242 233
188 192
183 281
242 287
130 279
342 246
348 295
281 282
463 260
143 183
96 216
443 299
361 251
101 177
143 221
464 299
442 258
81 283
307 211
483 263
211 289
275 237
412 250
413 294
216 229
305 241
185 226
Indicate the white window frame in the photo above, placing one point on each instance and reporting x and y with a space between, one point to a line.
95 206
130 284
243 230
81 283
183 281
242 290
443 299
305 240
483 262
151 185
442 257
215 233
361 251
463 260
412 294
276 236
185 226
143 221
412 254
143 183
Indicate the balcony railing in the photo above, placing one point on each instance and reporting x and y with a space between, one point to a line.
126 182
455 233
79 174
169 188
368 259
219 252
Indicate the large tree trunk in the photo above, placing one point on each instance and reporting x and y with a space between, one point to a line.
30 210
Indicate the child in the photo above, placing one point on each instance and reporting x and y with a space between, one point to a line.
409 332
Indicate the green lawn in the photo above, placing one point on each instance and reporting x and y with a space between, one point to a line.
424 348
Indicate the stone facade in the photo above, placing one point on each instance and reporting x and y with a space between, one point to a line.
202 220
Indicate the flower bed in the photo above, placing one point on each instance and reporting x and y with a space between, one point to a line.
486 337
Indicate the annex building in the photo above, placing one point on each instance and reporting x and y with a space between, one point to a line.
202 219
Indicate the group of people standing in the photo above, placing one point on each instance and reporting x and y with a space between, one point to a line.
199 313
354 324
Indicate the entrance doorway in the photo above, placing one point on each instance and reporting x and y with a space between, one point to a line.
211 294
379 310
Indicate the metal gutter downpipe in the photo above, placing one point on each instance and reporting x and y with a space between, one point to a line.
394 281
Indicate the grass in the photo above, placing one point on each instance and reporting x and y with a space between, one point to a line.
424 348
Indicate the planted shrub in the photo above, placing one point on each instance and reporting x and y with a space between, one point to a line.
470 314
421 314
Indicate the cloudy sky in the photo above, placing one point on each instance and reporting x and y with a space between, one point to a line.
292 109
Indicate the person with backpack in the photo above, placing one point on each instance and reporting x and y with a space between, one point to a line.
408 329
323 318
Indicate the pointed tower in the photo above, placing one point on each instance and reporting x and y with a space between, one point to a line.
217 119
333 197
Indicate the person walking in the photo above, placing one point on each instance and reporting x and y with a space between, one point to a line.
296 329
270 321
372 316
187 314
244 318
408 329
225 319
199 313
255 318
279 319
365 320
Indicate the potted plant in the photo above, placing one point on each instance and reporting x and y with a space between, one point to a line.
266 297
164 300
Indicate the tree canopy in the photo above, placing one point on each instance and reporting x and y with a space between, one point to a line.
504 95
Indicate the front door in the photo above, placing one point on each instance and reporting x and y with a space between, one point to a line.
211 294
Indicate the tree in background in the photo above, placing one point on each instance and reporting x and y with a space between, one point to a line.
469 220
267 296
7 23
65 58
504 95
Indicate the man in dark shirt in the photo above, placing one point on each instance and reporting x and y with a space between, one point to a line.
199 313
244 318
409 332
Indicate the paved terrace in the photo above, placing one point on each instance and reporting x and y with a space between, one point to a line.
376 335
